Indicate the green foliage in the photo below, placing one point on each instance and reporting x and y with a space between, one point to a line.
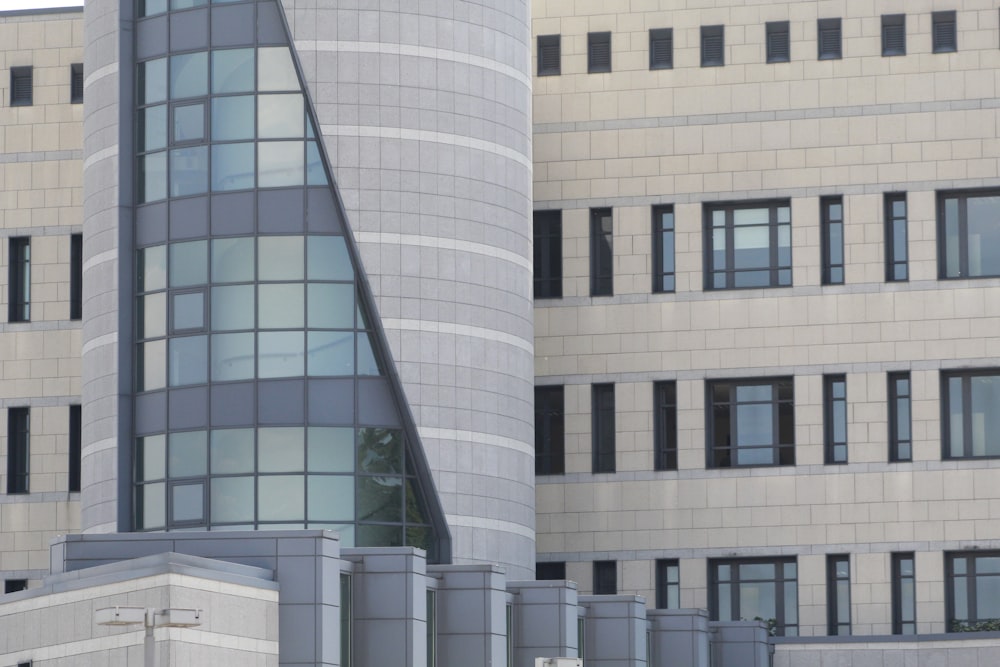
989 625
772 625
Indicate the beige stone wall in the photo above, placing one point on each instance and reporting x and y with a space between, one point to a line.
856 127
40 197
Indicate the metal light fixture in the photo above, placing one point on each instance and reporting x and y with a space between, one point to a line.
150 618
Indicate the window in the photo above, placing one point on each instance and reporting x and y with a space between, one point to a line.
778 49
74 447
19 279
15 585
603 420
969 245
755 588
835 418
894 34
18 451
838 595
896 248
76 276
76 83
549 431
904 595
748 245
943 32
547 227
713 43
549 57
605 577
665 425
20 86
750 423
668 584
900 440
663 249
601 252
550 571
971 584
828 39
971 407
832 239
598 52
661 48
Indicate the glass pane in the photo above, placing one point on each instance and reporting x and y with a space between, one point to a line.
189 310
839 422
150 7
985 418
282 498
152 371
784 214
331 306
232 499
280 258
280 306
189 122
983 235
276 69
331 498
379 536
331 353
232 307
792 604
281 449
750 571
757 600
987 597
188 263
380 499
906 567
232 118
154 506
153 81
380 450
281 354
726 602
152 128
187 502
960 585
152 268
232 357
280 116
956 409
188 360
232 450
367 363
952 242
152 177
232 260
899 208
752 216
188 454
186 4
153 457
280 164
152 315
331 449
232 71
315 174
189 75
327 258
188 171
232 167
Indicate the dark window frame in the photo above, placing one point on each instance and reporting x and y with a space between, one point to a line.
665 425
22 83
713 45
893 35
970 577
664 231
668 583
965 377
781 627
835 625
944 31
602 252
549 55
835 450
778 41
661 48
901 625
18 450
599 52
782 454
605 577
900 448
75 448
550 430
961 254
76 277
897 259
19 279
602 427
829 39
779 274
550 571
547 238
76 83
832 239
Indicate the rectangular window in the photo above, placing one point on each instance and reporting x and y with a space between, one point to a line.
663 249
19 279
598 52
835 418
661 48
601 252
605 577
748 245
552 571
549 431
668 584
21 86
971 407
750 423
778 49
76 83
14 585
549 56
603 420
665 424
713 42
838 595
76 276
75 431
971 584
893 34
764 588
900 440
547 227
904 595
828 39
968 233
896 238
943 32
832 239
18 449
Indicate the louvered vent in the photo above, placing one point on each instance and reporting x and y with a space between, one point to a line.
548 55
661 48
893 35
712 43
777 42
944 36
20 86
76 83
829 39
599 52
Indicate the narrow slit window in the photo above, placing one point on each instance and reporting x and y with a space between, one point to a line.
832 239
19 279
896 244
76 83
76 277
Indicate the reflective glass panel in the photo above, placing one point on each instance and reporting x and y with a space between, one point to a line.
331 305
380 498
232 260
186 4
187 502
232 70
280 306
380 450
188 263
280 116
153 457
153 81
188 171
152 316
188 360
232 451
188 454
152 268
232 357
281 354
276 71
280 164
382 536
331 353
232 307
232 499
315 174
232 118
281 449
331 449
328 259
152 178
282 498
150 7
154 506
367 364
152 132
189 122
189 75
983 236
280 258
331 497
232 167
189 310
151 373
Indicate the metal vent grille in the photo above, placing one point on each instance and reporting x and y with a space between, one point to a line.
828 39
661 48
599 52
712 43
778 50
944 36
548 55
20 86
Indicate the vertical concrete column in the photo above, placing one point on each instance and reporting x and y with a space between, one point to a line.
616 630
545 615
679 637
739 644
471 614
